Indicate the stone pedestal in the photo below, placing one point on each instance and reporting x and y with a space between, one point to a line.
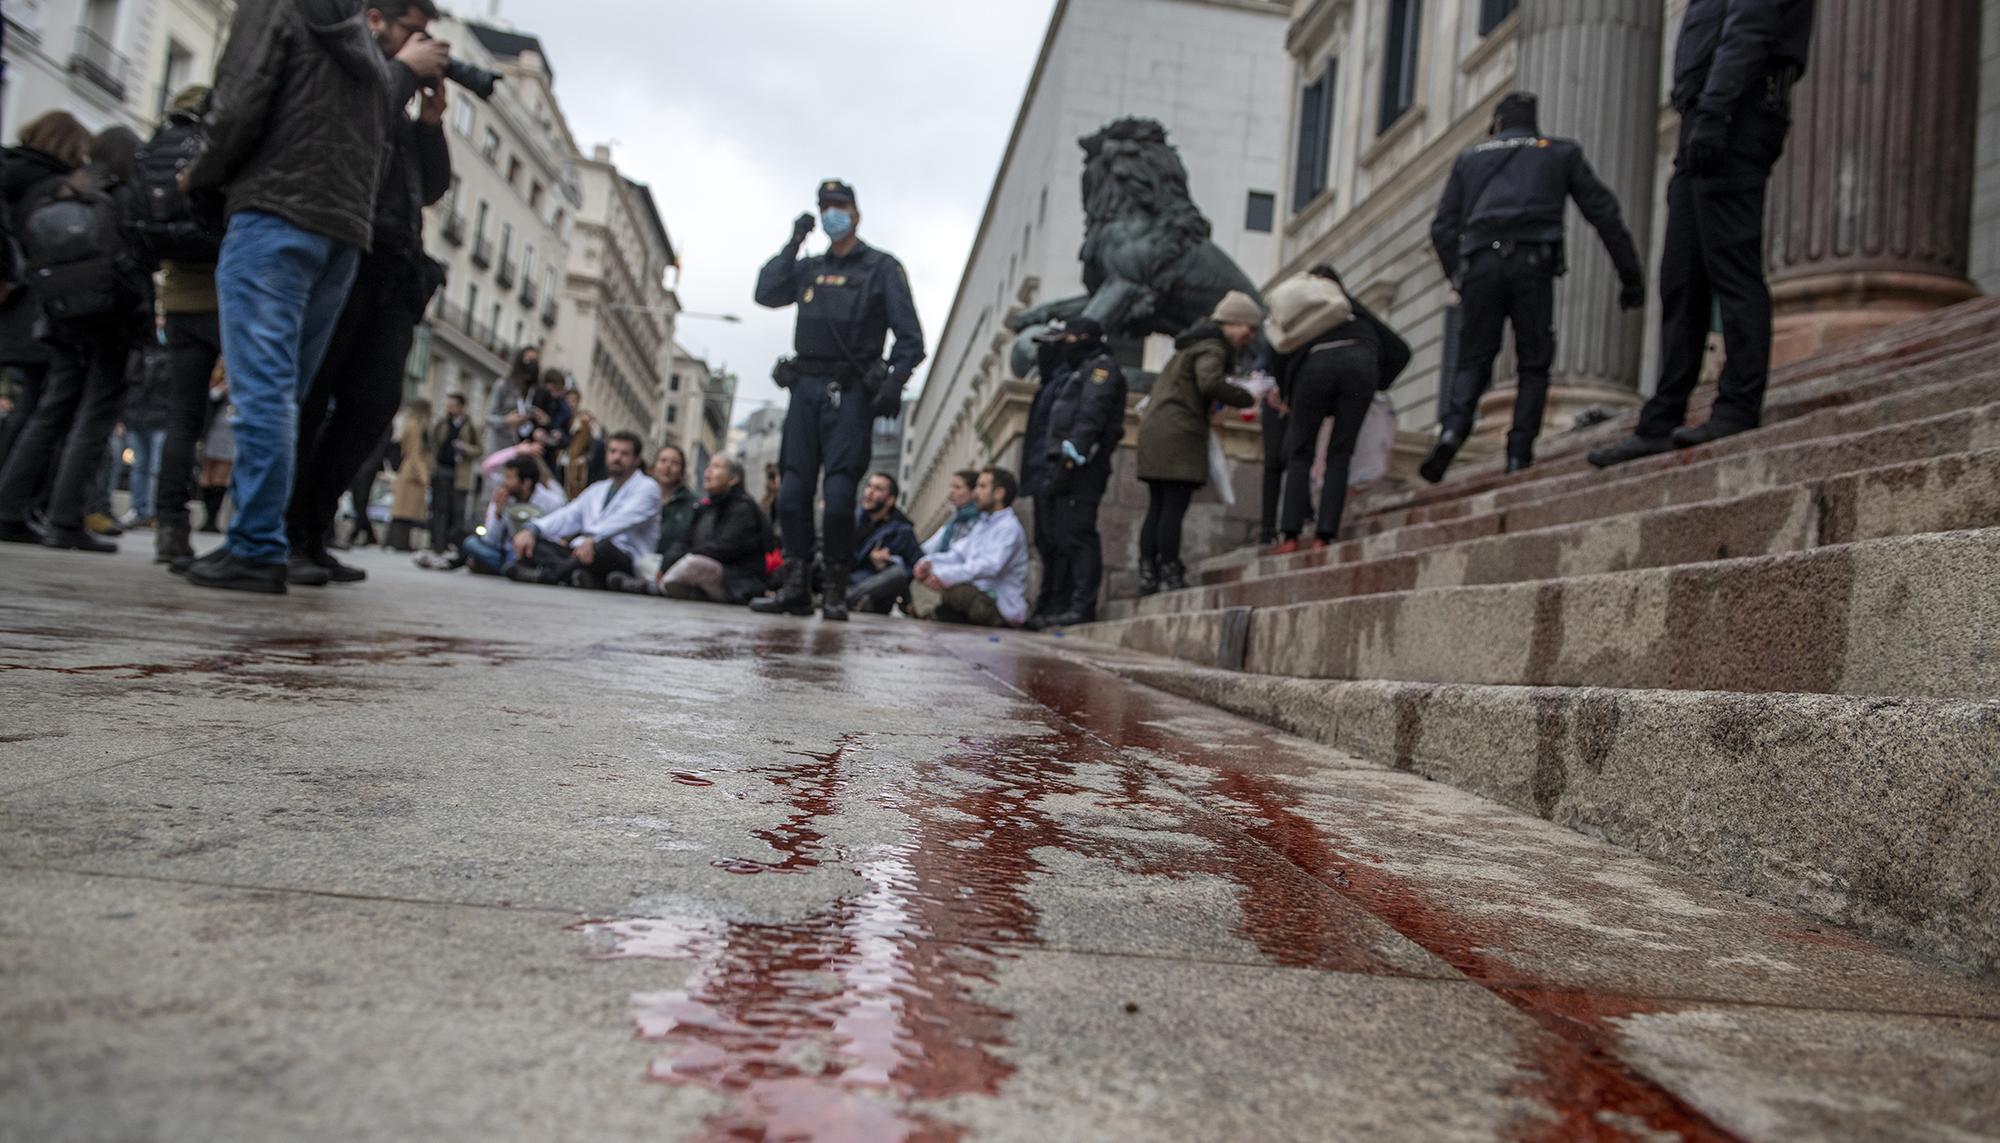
1871 208
1595 66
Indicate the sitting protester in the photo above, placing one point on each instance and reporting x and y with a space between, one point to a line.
523 490
615 522
887 551
721 558
964 512
983 579
677 500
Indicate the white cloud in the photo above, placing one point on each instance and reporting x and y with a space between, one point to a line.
733 112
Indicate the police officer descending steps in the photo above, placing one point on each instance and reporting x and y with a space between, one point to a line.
1499 234
1734 67
1086 420
849 300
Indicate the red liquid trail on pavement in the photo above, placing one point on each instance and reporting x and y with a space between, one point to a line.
1588 1092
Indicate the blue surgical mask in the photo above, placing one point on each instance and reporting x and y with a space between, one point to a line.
839 223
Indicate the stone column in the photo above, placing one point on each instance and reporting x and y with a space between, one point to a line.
1870 215
1595 65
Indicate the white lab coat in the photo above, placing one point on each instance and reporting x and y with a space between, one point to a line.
627 516
992 556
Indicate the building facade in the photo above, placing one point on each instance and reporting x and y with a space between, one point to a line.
695 415
108 62
504 230
1871 215
618 313
1213 72
755 444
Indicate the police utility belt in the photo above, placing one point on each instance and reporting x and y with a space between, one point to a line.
1550 254
872 379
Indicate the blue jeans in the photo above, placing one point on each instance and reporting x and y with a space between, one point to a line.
490 555
146 448
281 289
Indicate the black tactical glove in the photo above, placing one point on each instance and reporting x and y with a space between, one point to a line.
1707 139
802 226
1632 296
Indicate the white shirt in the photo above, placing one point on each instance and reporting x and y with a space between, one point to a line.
627 515
993 556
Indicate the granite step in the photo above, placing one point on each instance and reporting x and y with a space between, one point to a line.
1882 814
1690 480
1940 494
1915 616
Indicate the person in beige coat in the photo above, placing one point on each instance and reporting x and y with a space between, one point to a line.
1173 439
410 505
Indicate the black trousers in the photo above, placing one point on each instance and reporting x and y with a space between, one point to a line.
1274 424
822 437
31 380
1714 253
194 344
1336 381
1072 504
447 523
360 489
1517 288
352 399
1166 507
80 402
880 591
1053 594
556 562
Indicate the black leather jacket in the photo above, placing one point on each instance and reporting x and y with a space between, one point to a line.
299 122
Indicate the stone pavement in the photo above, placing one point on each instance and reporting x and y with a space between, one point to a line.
445 858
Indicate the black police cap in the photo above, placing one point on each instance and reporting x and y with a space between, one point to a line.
833 190
1520 107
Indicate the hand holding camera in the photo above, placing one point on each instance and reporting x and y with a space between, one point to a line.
426 57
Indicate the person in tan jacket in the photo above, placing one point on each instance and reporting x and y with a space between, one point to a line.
407 506
453 446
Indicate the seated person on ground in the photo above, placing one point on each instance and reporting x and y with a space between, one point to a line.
722 556
983 579
614 522
886 551
523 490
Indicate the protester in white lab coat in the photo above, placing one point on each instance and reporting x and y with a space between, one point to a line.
983 578
614 523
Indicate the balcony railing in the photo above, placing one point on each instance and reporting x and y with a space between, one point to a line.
454 228
482 251
97 61
530 293
505 274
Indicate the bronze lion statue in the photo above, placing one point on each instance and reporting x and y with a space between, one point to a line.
1148 260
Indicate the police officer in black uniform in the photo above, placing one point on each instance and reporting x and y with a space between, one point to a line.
1035 472
850 298
1734 67
1086 420
1499 234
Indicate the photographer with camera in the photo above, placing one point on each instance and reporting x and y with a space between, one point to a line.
850 299
357 388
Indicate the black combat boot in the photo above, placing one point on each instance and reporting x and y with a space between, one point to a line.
1631 448
77 540
1149 577
833 593
1516 462
794 596
172 541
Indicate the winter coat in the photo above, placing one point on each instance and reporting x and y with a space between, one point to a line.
29 178
894 532
676 514
1173 439
298 125
1088 412
731 530
1034 458
413 476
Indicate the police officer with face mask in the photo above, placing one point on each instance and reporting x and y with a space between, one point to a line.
850 299
1084 422
1499 234
1735 64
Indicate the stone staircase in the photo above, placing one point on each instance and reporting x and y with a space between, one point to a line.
1774 659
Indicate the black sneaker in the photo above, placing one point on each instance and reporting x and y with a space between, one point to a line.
337 571
1694 435
225 572
18 532
304 573
1633 447
76 540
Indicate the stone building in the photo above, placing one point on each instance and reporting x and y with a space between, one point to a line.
755 443
107 62
617 324
1213 72
503 232
695 415
1871 214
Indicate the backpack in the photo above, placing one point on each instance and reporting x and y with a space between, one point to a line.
75 253
1303 307
168 224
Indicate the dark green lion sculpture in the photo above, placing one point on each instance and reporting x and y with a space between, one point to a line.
1148 261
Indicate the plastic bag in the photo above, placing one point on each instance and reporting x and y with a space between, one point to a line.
1373 450
1218 470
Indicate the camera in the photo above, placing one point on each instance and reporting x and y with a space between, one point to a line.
472 78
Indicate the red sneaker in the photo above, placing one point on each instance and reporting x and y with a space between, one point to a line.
1319 544
1283 548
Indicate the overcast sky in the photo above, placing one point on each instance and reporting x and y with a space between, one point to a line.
733 112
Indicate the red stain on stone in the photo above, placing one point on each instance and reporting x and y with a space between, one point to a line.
814 793
684 778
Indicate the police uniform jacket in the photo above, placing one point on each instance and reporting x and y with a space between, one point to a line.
1514 188
848 305
1728 47
1053 370
1088 411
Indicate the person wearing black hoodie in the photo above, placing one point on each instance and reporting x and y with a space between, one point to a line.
85 386
298 130
358 388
